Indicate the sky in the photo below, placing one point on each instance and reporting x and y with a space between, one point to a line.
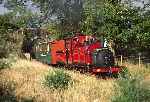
139 3
3 9
30 7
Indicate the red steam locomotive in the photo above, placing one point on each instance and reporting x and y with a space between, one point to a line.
82 51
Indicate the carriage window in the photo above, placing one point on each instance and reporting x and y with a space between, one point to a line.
44 47
90 41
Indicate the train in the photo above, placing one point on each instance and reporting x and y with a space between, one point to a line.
81 51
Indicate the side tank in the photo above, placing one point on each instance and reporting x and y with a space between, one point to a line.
74 50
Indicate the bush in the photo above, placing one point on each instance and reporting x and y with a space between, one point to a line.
124 72
4 63
132 90
58 80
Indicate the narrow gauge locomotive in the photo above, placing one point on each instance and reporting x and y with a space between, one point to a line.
82 51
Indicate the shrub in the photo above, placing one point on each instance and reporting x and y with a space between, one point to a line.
7 91
4 63
58 80
132 90
124 72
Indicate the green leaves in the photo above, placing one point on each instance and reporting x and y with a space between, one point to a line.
4 63
126 27
90 20
125 24
58 80
115 20
66 13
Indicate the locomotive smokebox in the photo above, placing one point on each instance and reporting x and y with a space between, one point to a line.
103 57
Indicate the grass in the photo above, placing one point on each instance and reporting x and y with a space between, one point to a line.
135 87
24 82
132 90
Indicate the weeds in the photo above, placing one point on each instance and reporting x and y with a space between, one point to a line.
132 90
124 73
58 80
4 63
7 91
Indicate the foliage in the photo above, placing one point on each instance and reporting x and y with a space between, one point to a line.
144 4
90 18
124 72
121 25
6 28
124 26
127 25
132 90
16 7
58 80
10 33
4 63
66 13
21 13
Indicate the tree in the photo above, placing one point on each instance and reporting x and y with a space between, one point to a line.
90 18
11 34
123 26
7 40
66 13
126 27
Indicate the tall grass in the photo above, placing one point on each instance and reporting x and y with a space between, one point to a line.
133 88
23 81
26 79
